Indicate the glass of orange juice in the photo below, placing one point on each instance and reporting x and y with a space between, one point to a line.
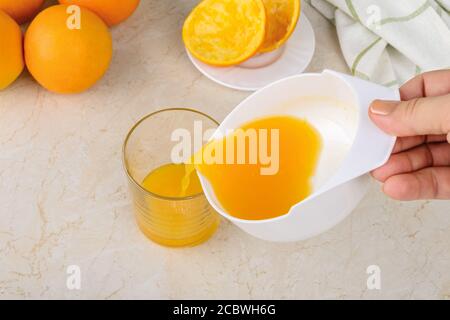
170 206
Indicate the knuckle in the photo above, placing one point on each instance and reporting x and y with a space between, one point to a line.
446 120
434 184
411 108
429 159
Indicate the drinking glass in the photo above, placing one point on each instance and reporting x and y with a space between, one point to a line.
169 221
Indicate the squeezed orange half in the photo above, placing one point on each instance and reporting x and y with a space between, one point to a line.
225 32
282 17
266 185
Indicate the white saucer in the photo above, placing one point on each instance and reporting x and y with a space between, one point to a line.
296 56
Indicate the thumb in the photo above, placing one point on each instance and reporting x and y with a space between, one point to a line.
422 116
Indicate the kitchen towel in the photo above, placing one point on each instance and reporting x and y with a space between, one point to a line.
390 41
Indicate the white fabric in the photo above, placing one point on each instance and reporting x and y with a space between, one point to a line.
390 41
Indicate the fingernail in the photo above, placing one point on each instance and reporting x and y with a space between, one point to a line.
383 108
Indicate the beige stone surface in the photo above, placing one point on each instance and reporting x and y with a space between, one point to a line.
64 200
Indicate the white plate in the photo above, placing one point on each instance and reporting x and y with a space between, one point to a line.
296 56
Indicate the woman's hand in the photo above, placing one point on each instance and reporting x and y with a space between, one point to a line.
419 167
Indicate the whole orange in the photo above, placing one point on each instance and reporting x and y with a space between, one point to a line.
11 55
64 59
21 10
111 11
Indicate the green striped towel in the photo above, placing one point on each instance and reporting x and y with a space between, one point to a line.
390 41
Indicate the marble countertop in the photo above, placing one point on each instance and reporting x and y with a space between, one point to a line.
64 198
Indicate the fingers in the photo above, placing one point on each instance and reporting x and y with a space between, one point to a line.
429 183
426 155
425 110
418 169
406 143
429 84
420 116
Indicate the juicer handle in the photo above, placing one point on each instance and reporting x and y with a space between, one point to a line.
371 147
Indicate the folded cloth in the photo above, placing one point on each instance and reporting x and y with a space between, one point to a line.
390 41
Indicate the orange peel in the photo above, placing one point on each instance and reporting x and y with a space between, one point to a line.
225 32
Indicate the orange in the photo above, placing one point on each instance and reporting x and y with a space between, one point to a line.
21 10
282 17
225 32
63 59
111 11
11 55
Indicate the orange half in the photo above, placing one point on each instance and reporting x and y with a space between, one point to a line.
282 17
225 32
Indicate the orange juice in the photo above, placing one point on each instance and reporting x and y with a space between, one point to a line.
173 180
179 215
248 192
